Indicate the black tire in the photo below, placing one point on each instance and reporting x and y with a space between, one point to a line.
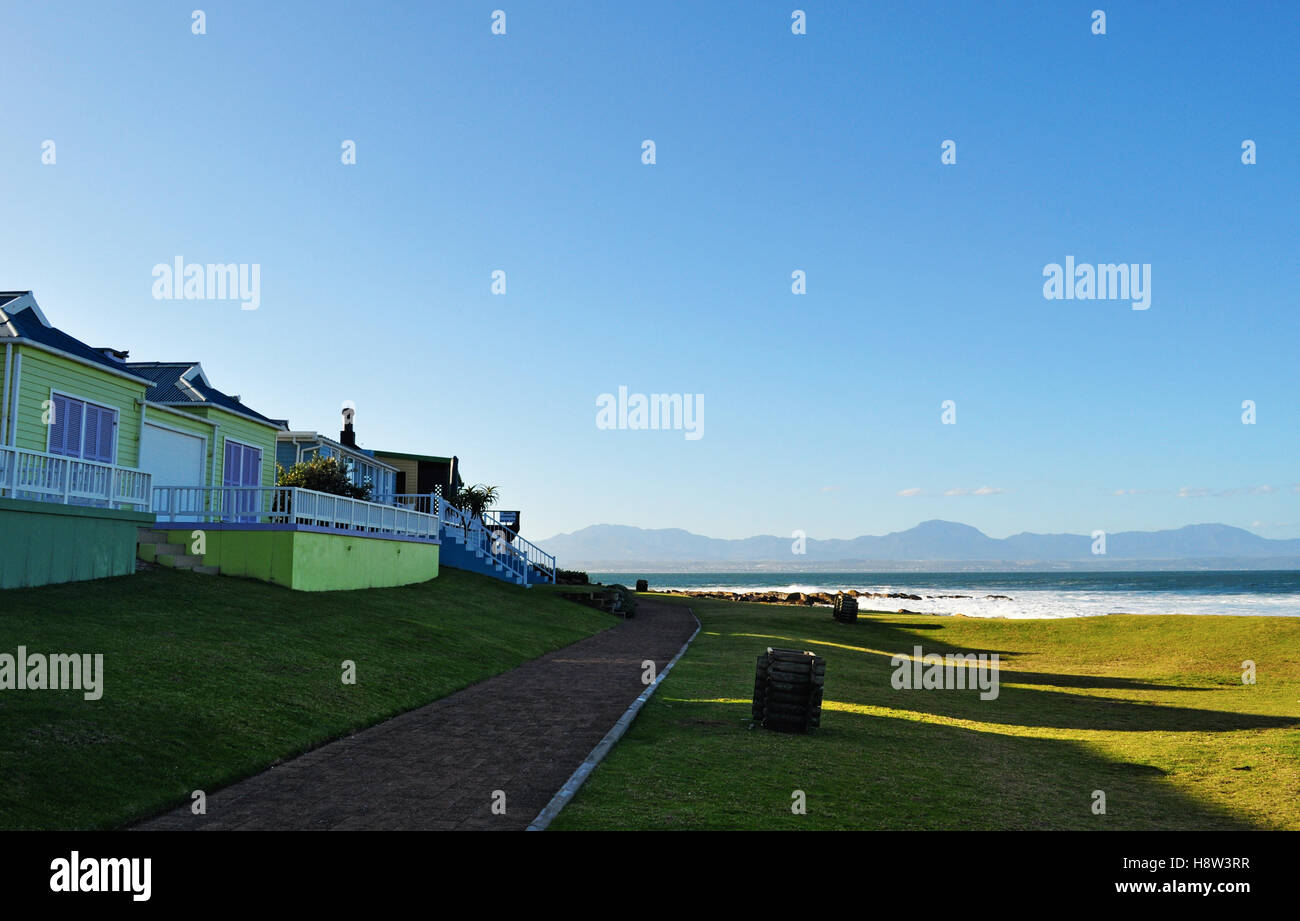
800 681
792 670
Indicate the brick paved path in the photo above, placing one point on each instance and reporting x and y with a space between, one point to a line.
523 732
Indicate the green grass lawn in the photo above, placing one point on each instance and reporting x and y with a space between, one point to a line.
212 679
1150 710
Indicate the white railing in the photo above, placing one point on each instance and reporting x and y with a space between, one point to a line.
535 556
492 544
72 481
518 555
289 505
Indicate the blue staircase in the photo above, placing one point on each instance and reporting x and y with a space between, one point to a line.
483 545
457 554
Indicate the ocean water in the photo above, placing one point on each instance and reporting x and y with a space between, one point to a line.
1058 594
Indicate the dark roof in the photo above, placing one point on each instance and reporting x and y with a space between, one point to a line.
167 388
416 457
29 326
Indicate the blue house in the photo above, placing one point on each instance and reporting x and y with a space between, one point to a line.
294 447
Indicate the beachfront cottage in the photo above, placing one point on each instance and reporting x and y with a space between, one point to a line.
72 492
194 435
103 459
245 524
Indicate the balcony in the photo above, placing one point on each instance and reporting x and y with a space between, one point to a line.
284 506
42 477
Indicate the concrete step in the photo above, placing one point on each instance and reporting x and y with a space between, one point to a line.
208 570
151 536
179 560
150 552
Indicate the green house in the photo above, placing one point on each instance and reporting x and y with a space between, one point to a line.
71 490
103 459
89 440
195 435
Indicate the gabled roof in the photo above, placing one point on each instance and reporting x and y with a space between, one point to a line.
183 383
22 320
290 436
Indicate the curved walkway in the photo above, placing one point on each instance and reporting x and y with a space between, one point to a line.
523 733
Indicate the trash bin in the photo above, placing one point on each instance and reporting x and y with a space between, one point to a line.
788 687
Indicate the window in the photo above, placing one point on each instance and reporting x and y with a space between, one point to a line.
243 465
84 430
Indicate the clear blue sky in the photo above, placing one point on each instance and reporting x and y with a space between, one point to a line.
775 152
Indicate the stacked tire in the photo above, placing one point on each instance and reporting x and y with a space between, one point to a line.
846 609
788 688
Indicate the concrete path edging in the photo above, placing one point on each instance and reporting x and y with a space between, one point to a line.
603 747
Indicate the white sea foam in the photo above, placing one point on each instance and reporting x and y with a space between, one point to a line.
1038 603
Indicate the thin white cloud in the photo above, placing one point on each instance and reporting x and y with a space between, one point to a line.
955 492
988 491
914 491
1200 492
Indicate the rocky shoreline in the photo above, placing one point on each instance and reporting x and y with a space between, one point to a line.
825 599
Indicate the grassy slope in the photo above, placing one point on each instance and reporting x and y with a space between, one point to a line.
1150 710
212 679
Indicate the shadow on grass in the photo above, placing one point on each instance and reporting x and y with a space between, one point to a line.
900 759
1014 706
878 772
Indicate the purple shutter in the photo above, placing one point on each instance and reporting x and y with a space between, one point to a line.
90 431
71 442
252 467
230 468
107 436
59 424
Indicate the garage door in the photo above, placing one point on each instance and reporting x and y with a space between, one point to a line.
174 458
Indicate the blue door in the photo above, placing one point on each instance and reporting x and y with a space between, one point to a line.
242 475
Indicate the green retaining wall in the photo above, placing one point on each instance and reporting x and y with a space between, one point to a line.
42 543
310 561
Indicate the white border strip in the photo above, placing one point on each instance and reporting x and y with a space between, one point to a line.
579 777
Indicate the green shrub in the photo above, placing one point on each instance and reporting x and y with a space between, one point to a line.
323 474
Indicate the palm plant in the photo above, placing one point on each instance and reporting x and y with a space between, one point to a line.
475 500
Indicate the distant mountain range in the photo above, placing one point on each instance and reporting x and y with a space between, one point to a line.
931 542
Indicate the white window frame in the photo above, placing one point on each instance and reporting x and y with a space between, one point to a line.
117 420
261 468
